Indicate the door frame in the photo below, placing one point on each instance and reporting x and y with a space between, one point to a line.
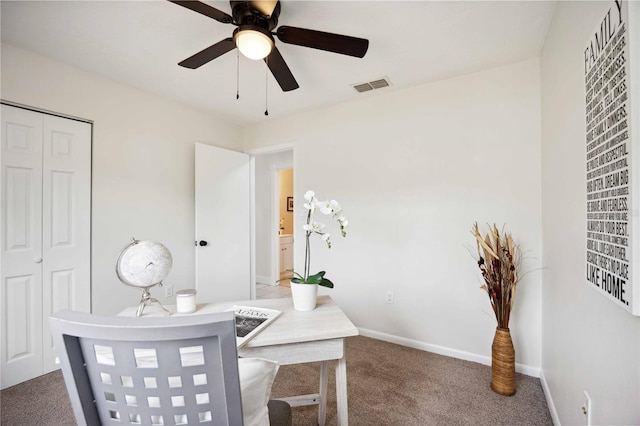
275 224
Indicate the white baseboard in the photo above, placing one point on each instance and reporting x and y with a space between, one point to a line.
442 350
264 279
550 404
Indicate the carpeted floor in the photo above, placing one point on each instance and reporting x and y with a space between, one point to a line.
388 385
393 385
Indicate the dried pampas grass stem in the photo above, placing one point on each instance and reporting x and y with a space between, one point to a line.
499 261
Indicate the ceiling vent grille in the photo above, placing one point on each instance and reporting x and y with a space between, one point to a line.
371 85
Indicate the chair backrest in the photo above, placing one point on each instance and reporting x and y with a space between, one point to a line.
150 370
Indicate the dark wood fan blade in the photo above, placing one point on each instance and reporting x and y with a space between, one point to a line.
336 43
205 10
209 54
281 71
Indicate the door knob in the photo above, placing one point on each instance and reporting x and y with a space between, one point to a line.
202 243
37 260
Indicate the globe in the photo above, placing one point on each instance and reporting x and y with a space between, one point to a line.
144 264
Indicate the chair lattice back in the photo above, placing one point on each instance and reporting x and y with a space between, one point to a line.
150 371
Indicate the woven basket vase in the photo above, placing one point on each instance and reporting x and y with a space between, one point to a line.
503 363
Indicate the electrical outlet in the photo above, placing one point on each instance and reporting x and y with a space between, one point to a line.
168 290
586 408
389 296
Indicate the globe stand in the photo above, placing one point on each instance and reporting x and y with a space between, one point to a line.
147 300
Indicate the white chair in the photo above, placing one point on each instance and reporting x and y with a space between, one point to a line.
153 371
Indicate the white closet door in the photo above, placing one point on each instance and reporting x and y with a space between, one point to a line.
66 202
21 316
45 216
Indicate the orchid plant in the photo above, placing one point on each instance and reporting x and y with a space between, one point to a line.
329 208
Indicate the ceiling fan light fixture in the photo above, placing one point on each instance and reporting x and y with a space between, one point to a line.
253 42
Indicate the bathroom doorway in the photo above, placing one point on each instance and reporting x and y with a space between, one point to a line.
285 204
269 215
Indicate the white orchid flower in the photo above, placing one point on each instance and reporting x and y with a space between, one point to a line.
310 196
314 226
340 218
325 207
331 208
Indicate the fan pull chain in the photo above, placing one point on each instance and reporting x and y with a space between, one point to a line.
266 87
237 73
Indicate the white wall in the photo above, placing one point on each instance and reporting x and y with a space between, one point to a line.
414 169
143 164
588 342
266 167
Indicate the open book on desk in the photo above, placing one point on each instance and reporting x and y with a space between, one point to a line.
250 321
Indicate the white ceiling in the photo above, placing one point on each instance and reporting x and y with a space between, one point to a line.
139 43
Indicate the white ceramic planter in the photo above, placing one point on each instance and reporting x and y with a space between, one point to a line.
304 296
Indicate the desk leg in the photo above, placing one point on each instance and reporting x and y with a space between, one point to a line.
341 391
324 385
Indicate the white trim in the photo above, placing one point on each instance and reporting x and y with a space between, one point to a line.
252 227
549 398
442 350
271 149
45 111
263 279
275 223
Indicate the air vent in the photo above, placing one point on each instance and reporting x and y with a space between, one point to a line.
364 87
375 84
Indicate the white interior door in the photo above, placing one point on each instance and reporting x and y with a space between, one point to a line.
223 223
66 242
45 216
21 308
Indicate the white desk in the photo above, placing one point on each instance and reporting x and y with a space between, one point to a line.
293 338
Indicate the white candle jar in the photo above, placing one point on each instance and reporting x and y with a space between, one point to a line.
186 301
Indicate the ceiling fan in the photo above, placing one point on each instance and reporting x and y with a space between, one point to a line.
255 22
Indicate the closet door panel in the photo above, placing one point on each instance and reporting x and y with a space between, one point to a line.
21 210
66 206
20 341
21 251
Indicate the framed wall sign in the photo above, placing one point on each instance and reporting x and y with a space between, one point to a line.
611 79
289 204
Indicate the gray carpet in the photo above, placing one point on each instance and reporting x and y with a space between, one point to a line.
388 385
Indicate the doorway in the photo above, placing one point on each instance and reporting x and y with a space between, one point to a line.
284 201
268 218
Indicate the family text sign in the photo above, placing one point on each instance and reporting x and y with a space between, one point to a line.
612 165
